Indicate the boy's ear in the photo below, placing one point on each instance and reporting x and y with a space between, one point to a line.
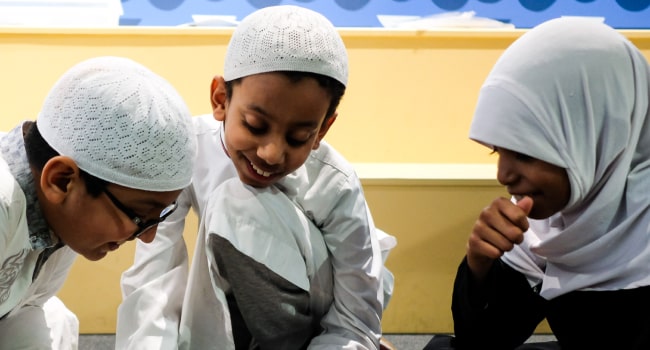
324 129
218 97
57 178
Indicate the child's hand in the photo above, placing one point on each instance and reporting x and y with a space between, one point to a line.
499 227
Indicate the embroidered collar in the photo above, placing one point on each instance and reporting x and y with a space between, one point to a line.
12 147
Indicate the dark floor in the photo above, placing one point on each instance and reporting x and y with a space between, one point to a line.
400 341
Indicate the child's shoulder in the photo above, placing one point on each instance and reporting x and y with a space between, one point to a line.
10 192
327 159
205 123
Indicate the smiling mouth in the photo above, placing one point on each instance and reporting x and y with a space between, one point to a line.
260 171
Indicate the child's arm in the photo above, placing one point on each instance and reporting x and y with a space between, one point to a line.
493 305
354 319
500 313
153 287
499 227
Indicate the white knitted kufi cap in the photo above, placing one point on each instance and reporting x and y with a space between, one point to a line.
286 38
122 123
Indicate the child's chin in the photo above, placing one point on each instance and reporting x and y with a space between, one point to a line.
95 256
255 183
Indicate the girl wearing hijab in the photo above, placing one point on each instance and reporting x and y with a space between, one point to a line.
566 110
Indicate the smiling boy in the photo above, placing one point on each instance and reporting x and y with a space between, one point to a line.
287 255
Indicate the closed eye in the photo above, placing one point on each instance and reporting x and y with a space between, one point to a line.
523 157
254 130
296 143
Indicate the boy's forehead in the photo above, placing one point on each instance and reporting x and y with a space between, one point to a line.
273 96
277 83
268 79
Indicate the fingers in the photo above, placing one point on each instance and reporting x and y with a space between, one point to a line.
485 240
503 223
499 227
526 204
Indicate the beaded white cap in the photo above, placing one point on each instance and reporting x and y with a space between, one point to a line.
122 123
286 38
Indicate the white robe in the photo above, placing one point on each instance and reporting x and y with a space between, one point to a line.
323 199
33 317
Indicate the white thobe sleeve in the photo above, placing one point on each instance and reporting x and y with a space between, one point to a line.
354 318
154 286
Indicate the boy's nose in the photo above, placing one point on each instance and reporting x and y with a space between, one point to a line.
149 235
272 152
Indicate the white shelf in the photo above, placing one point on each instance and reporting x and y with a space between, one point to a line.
427 173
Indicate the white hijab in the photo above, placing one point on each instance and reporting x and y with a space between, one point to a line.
574 93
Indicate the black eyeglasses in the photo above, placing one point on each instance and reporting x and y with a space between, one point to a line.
143 226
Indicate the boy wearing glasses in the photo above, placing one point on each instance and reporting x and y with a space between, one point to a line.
103 164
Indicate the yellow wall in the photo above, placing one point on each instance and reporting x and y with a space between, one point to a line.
410 100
